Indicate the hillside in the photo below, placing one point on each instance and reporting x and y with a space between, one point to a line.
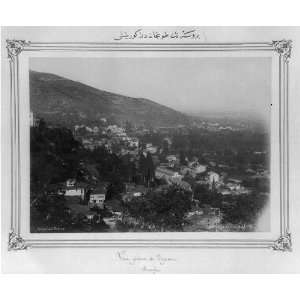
62 101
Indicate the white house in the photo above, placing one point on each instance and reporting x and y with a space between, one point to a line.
171 158
150 148
134 143
71 182
199 168
97 198
213 177
77 190
33 120
167 174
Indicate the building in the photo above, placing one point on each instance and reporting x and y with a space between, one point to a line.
134 191
75 189
133 142
207 219
213 177
33 121
199 168
97 197
193 170
71 182
172 159
164 173
114 130
151 149
233 186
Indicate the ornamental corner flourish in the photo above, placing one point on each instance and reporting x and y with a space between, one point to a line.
284 48
15 47
15 242
284 243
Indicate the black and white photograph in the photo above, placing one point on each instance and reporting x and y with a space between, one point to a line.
150 144
148 149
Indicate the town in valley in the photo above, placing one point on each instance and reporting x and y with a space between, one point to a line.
121 175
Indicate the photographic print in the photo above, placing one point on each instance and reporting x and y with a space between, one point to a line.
150 144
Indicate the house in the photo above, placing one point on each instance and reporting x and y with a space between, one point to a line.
76 191
71 182
199 168
92 217
193 170
165 173
97 197
134 142
134 191
207 219
33 121
114 130
172 159
213 177
72 188
150 148
56 189
233 186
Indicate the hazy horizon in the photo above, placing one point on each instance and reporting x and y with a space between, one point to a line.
235 87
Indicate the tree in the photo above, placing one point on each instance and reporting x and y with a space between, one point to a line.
146 168
165 147
164 211
149 168
55 156
128 126
49 210
182 158
243 209
115 188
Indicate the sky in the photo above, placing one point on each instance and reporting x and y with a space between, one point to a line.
238 86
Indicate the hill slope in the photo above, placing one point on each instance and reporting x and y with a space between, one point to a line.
62 101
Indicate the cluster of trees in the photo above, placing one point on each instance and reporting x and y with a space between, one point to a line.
161 211
56 156
243 209
146 168
236 209
232 148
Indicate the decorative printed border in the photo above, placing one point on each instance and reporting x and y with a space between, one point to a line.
282 47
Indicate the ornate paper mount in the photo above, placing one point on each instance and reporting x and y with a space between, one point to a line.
284 243
15 47
15 242
284 48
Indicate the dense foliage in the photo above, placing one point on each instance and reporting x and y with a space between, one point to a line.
164 211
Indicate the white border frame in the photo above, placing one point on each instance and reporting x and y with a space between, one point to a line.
282 48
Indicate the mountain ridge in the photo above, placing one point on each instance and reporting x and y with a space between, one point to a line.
67 102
